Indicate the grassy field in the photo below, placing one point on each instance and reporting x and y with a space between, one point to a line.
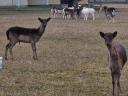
24 10
72 57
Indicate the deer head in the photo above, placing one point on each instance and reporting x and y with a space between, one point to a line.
44 21
108 37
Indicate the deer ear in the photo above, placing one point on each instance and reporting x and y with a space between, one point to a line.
101 34
39 19
114 34
48 19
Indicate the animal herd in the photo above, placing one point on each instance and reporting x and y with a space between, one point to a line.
73 12
117 54
80 11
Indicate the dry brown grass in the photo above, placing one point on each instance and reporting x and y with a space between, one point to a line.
72 58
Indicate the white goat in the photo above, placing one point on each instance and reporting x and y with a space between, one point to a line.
86 11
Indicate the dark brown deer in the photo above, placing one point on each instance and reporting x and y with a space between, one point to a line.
25 35
117 59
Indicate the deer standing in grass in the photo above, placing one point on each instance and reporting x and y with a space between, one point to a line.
117 59
25 35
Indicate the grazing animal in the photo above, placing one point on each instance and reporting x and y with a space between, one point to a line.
58 10
110 13
86 11
117 59
25 35
70 12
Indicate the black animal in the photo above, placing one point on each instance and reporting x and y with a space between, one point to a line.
25 35
79 9
117 59
70 12
110 13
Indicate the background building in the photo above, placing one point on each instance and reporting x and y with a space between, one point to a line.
27 2
30 2
13 2
54 1
38 2
46 2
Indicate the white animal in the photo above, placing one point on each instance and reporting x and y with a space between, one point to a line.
86 11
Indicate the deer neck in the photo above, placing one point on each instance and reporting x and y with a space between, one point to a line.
41 29
111 48
113 55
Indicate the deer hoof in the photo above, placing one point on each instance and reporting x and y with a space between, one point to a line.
35 58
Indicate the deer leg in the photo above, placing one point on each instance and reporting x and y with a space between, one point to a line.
100 10
75 15
118 84
63 15
6 50
11 46
113 20
87 16
69 16
72 15
108 19
34 51
113 83
93 16
51 13
66 16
